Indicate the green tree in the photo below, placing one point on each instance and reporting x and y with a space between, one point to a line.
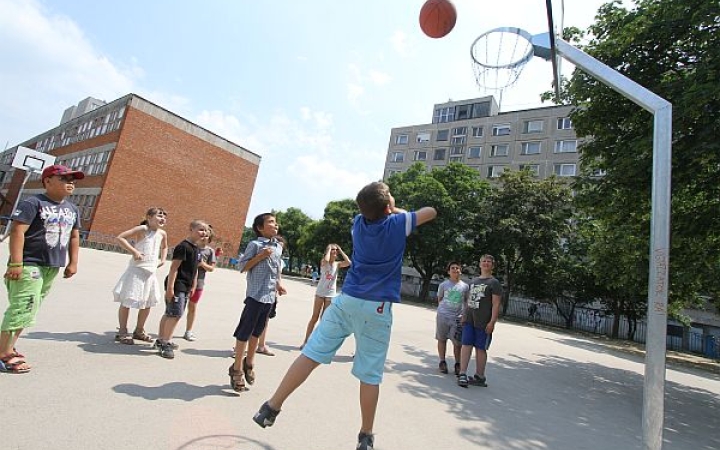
523 223
456 192
292 223
671 47
334 227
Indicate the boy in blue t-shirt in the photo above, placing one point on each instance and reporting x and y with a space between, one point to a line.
371 286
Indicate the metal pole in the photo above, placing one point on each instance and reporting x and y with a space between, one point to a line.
17 200
655 345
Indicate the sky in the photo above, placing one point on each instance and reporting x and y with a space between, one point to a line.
314 86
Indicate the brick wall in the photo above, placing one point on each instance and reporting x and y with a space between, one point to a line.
157 164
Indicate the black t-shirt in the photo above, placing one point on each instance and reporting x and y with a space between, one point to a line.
479 310
50 227
189 255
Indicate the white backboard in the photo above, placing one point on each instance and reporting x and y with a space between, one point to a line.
32 160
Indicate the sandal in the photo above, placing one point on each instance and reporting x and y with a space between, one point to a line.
124 338
141 336
265 351
237 380
463 380
248 371
13 367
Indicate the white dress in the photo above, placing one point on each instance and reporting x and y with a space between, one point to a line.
138 287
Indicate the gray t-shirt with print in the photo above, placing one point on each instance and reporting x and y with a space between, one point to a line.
50 227
479 310
450 298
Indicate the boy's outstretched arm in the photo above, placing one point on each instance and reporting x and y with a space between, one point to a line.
425 214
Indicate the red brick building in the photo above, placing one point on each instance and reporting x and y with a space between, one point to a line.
135 155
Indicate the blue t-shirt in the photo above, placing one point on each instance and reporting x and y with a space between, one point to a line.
378 248
51 224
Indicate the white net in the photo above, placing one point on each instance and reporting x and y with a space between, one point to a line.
499 57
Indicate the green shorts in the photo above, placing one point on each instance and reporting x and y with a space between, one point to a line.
26 295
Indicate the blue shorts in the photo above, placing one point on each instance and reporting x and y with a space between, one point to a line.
477 337
369 321
253 319
176 306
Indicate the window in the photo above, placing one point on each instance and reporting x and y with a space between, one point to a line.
599 172
423 136
565 170
460 131
393 172
457 150
499 150
420 155
501 129
401 139
462 112
444 115
397 157
442 135
495 171
530 148
533 126
532 168
458 159
439 154
477 131
458 140
564 123
566 146
474 152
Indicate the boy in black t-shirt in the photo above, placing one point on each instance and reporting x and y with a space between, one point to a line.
180 285
44 237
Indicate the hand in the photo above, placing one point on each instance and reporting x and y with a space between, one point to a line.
490 327
267 251
281 290
137 256
169 294
161 263
13 273
70 270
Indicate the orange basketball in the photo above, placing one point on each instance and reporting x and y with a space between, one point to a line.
437 18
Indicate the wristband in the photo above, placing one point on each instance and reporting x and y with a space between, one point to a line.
15 264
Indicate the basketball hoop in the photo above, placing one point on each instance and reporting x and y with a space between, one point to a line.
499 57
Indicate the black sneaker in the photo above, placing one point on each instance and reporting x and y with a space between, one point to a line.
365 441
166 351
266 416
157 344
463 380
457 369
477 380
443 367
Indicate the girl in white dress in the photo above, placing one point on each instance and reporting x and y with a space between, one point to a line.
138 287
327 284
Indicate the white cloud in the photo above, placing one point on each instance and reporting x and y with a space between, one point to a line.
398 40
355 91
379 78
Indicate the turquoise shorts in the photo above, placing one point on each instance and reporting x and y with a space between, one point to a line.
370 322
25 296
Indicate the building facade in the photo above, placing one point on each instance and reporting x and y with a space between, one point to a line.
475 133
136 154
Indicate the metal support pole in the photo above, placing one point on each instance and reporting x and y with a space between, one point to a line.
17 200
655 345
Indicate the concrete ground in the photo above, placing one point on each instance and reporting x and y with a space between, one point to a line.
547 389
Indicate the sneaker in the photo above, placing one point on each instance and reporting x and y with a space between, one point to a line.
457 369
266 416
443 367
365 441
463 380
477 380
157 344
166 351
189 336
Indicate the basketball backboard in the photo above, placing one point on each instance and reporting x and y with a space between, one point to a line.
32 160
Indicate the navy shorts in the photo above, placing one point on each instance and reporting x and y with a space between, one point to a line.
253 319
477 337
176 306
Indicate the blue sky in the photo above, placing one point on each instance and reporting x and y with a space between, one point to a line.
312 86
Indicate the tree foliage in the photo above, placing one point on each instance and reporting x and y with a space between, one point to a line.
671 47
456 192
292 222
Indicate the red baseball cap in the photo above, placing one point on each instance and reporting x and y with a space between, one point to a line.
57 169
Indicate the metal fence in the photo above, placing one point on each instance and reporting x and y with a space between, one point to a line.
597 321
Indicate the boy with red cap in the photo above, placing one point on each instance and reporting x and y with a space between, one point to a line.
44 231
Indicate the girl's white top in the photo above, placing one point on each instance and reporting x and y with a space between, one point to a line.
327 285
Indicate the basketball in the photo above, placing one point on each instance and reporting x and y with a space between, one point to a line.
437 18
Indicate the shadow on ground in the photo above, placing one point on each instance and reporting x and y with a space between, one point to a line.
95 342
501 413
177 390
